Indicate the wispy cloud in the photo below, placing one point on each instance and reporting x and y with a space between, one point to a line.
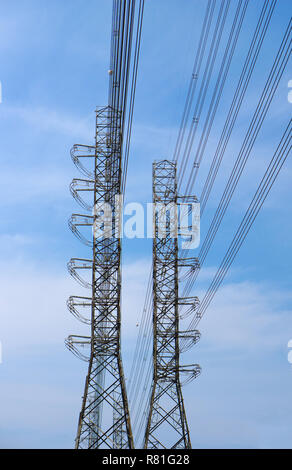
52 120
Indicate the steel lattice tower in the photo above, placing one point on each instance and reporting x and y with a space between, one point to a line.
167 423
104 420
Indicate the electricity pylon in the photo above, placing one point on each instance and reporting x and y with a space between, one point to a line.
104 420
167 425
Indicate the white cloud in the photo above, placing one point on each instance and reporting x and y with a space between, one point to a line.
33 309
52 120
246 317
40 380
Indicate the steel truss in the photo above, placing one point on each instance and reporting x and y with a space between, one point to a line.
167 423
104 420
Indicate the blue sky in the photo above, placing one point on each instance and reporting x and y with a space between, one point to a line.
54 72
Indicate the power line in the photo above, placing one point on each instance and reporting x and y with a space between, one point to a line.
267 181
